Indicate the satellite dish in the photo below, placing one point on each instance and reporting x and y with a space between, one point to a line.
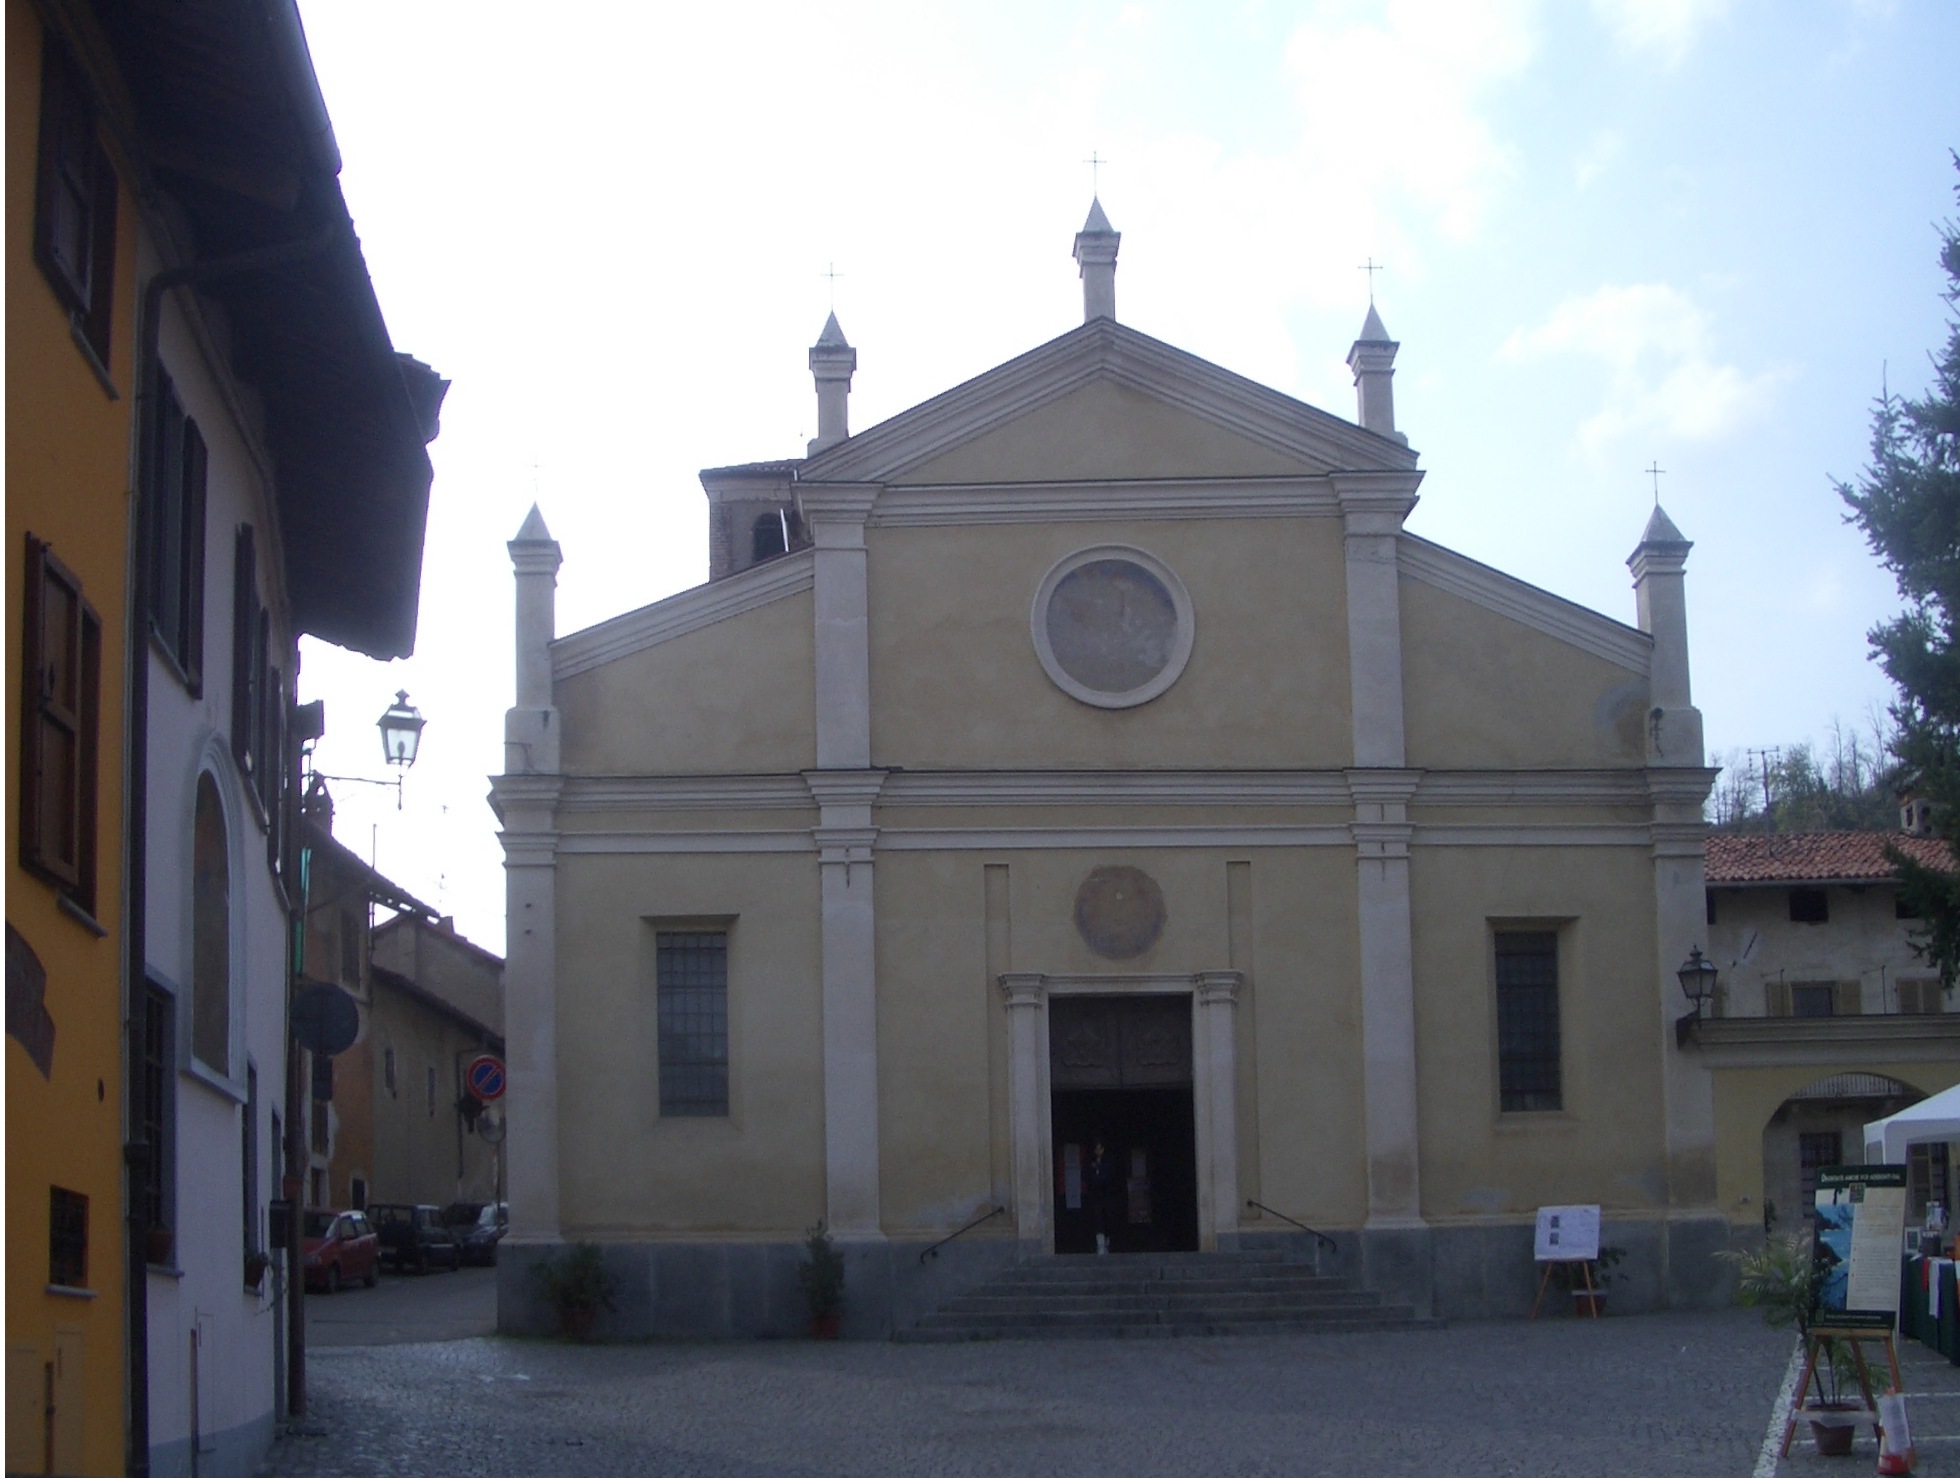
325 1019
491 1127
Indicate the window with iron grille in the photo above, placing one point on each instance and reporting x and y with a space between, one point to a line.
1810 906
67 1238
75 205
1819 1148
159 1024
61 642
1528 1077
692 998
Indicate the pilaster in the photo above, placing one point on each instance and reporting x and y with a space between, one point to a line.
1027 1091
1216 1009
1680 924
1388 1006
845 840
527 809
1372 510
835 514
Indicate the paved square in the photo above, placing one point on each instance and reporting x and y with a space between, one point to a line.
1675 1394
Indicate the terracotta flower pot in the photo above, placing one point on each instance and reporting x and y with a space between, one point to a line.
824 1326
1833 1433
1589 1304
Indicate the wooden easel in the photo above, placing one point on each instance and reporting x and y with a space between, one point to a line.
1584 1265
1856 1338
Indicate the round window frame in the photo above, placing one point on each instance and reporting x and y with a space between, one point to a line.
1182 640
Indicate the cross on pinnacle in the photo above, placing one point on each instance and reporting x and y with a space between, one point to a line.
1371 267
1095 162
833 274
1654 471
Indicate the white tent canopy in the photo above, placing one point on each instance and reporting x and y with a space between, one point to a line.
1937 1117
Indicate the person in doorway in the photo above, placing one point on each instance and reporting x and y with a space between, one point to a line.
1104 1182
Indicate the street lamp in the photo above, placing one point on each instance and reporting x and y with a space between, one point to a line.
401 731
401 739
1697 976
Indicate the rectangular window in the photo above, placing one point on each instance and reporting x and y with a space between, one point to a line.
1813 998
1926 1179
1809 906
1527 1021
75 204
1708 902
62 647
1825 1147
175 468
67 1238
159 1074
245 707
692 996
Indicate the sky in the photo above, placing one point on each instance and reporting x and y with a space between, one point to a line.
1614 234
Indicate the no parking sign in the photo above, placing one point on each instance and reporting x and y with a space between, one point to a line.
484 1077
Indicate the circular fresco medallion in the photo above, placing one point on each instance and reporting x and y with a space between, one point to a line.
1119 912
1112 626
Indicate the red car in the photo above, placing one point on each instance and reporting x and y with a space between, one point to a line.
338 1247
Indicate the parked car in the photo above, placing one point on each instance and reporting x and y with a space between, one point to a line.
337 1247
414 1237
480 1225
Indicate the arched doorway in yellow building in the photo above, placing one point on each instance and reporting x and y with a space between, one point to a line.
1822 1124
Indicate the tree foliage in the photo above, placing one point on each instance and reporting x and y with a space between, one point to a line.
1844 784
1907 503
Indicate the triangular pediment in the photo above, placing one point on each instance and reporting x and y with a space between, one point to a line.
1105 403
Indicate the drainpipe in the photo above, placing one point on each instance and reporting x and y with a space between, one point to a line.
136 833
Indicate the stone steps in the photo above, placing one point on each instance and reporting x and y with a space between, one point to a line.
1158 1296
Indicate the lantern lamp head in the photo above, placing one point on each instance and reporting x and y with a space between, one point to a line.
1697 977
401 732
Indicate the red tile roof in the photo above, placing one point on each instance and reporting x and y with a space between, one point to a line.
1817 857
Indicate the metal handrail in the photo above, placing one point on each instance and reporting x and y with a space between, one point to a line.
933 1251
1322 1237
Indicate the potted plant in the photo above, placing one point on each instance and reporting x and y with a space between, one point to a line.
1587 1282
822 1276
578 1286
1781 1280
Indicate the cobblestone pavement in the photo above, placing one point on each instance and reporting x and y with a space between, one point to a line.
1671 1394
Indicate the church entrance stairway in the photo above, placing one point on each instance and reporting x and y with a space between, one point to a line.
1159 1295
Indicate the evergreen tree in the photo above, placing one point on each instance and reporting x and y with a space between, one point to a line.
1908 505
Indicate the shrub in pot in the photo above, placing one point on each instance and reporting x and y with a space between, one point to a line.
1587 1282
822 1275
1781 1280
576 1284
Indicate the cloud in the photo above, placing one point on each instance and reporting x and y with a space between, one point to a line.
1598 157
1391 103
1661 28
1662 376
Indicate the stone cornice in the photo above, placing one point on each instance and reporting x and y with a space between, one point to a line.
1104 349
854 788
1830 1043
1382 787
1117 787
943 505
598 793
834 508
1533 788
1506 595
691 610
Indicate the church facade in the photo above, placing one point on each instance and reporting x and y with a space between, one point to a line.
1090 754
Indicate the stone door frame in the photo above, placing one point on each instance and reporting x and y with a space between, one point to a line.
1214 1094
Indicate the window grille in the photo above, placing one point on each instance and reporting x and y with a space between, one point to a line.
1809 906
1818 1148
1528 1074
692 999
159 1017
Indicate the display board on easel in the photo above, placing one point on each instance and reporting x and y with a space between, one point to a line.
1566 1235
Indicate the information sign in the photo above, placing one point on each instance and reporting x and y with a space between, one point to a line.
1566 1234
1859 1222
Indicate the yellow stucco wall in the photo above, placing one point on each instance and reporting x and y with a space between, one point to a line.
733 698
1484 691
1745 1099
1605 1144
955 681
68 448
626 1170
1105 430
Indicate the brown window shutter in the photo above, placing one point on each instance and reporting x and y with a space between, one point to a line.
97 322
31 768
244 643
89 712
1776 998
1849 998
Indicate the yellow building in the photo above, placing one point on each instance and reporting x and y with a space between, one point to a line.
1089 753
71 356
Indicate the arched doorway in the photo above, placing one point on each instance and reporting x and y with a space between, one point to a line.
1823 1123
